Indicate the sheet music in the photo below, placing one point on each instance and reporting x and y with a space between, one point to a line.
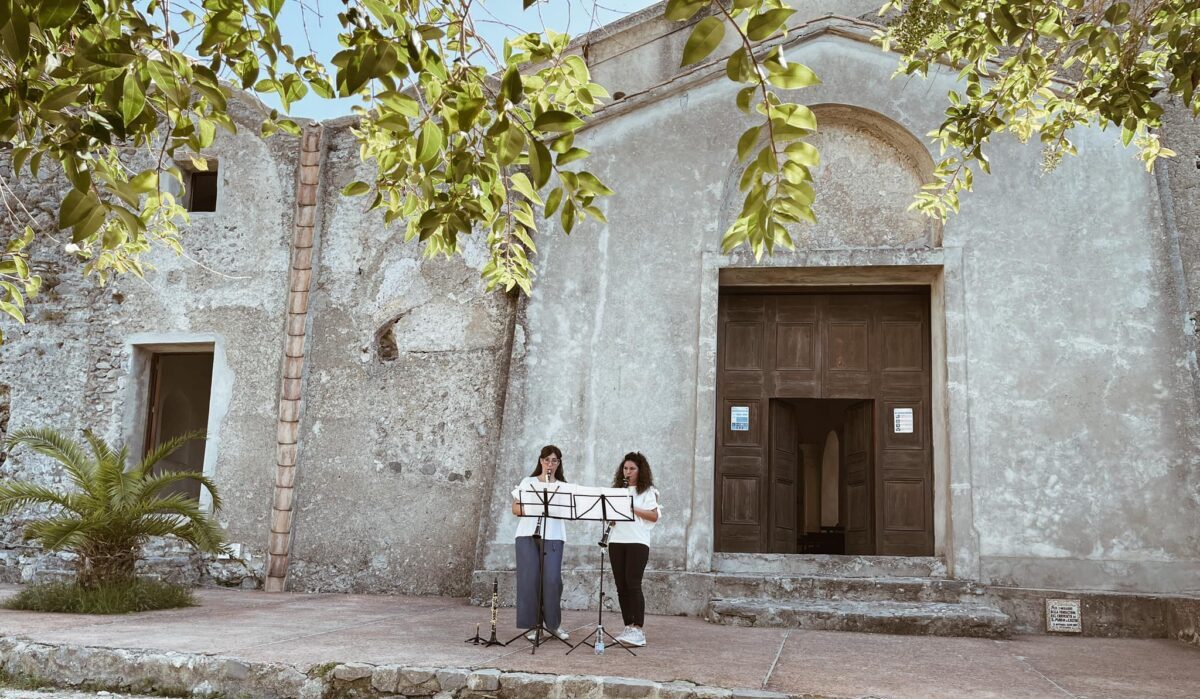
617 505
558 496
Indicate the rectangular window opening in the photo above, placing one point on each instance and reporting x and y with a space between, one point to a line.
180 385
202 189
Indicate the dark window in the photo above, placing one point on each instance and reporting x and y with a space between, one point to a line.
202 190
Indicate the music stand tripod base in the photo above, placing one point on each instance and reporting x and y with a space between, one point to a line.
601 632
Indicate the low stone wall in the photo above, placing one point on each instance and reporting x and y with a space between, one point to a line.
1105 614
192 675
163 559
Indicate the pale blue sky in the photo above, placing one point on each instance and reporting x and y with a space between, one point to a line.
492 17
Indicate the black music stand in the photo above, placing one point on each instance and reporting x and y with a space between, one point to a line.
539 500
610 506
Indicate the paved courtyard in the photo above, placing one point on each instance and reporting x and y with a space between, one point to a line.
304 630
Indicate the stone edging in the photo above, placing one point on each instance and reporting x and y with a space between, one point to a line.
198 675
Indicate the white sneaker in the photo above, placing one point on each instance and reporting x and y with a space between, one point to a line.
623 637
637 637
531 636
561 633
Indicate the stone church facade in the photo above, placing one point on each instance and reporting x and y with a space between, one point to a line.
1007 402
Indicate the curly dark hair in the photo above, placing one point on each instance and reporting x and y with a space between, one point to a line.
645 477
547 451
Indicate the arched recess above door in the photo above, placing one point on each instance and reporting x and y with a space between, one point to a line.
871 168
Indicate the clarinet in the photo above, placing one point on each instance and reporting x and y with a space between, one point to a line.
495 594
609 526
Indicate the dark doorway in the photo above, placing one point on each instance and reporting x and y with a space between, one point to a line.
823 441
180 386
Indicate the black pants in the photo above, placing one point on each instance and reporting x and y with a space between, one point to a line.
628 564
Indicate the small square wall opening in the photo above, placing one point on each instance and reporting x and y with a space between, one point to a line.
202 189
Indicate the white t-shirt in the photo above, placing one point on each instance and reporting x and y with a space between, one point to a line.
554 529
637 531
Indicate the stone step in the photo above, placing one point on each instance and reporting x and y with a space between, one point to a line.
823 564
910 618
809 587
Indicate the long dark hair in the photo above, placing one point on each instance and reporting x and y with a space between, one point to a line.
645 477
547 451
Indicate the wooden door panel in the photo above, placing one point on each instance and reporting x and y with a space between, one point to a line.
857 456
904 473
872 347
741 506
784 468
743 346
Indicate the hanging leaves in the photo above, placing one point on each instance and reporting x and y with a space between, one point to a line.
777 181
1040 70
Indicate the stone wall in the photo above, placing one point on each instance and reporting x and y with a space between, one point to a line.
77 364
407 359
1070 459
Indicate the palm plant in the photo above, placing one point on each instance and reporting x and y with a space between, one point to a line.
112 510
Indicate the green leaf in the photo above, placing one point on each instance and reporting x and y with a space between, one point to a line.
12 311
763 26
553 201
511 144
401 103
53 13
144 182
744 96
555 120
74 208
804 153
430 142
60 97
680 10
133 97
592 184
704 39
571 156
747 142
511 85
793 76
738 67
522 184
89 225
355 189
206 132
539 164
1117 14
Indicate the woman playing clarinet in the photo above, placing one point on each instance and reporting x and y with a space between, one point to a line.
552 532
629 544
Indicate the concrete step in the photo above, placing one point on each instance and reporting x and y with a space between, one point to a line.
823 564
910 618
786 588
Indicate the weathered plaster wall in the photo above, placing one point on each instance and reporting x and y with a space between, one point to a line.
70 368
1072 449
402 403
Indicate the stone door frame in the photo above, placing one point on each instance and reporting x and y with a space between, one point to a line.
941 270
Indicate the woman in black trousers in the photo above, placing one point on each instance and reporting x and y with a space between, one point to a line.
629 544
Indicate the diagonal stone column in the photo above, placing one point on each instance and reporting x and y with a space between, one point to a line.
291 390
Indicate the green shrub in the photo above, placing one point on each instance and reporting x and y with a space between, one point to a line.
135 595
112 508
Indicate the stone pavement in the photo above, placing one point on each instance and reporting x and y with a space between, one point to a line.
303 631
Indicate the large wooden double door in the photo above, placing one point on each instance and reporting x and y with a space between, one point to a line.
872 349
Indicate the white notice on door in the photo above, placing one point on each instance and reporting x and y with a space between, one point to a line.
902 420
739 418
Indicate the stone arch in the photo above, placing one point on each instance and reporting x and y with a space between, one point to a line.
871 167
